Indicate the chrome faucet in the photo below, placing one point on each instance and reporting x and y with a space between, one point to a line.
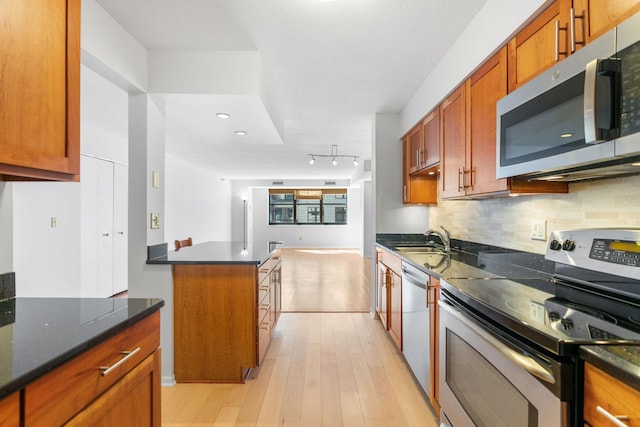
445 238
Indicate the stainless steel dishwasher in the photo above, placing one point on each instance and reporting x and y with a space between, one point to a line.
415 323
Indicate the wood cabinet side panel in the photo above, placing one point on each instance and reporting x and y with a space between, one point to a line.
215 321
10 410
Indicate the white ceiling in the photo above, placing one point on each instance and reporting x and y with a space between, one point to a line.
329 65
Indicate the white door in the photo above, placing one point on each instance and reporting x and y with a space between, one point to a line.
89 227
104 192
120 228
105 228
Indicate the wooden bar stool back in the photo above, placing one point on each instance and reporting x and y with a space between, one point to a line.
183 243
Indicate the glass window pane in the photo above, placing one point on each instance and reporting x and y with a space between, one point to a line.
308 212
281 214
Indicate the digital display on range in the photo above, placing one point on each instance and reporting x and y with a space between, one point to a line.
623 252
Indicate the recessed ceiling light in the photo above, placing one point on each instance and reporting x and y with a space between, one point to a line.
223 115
241 132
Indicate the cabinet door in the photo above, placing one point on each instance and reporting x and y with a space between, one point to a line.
415 149
395 308
533 50
615 397
382 294
431 138
40 88
599 16
485 88
10 411
452 150
120 228
133 401
433 295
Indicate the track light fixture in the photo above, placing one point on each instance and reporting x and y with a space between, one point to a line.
334 156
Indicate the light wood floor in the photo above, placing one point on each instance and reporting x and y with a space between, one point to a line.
325 280
321 368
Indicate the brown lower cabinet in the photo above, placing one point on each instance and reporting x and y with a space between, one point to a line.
612 396
10 410
389 294
224 315
78 393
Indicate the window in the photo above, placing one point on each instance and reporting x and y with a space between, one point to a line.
307 206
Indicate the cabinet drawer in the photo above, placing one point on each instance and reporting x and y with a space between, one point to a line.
57 396
264 289
391 261
615 397
264 336
265 269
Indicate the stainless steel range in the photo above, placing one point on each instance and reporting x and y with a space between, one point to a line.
509 346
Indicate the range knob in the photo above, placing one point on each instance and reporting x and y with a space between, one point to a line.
554 316
569 245
566 323
555 245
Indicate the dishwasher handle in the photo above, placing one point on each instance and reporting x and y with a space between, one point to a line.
415 278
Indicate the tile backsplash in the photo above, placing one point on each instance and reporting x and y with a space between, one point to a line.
507 221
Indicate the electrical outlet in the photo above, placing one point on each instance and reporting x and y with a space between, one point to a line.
54 222
538 229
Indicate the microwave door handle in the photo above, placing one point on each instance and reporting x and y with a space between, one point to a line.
598 129
590 122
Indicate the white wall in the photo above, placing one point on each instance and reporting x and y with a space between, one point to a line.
308 236
392 216
46 260
491 28
6 227
197 203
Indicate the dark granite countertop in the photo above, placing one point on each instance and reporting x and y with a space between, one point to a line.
40 334
468 260
254 253
620 361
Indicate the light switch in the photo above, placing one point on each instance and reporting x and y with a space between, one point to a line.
155 179
54 222
155 220
538 229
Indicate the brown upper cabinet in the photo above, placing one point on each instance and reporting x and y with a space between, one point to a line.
419 187
469 138
452 148
40 89
561 29
424 143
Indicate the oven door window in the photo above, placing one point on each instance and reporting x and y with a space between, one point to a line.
487 397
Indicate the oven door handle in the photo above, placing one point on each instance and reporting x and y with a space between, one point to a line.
525 361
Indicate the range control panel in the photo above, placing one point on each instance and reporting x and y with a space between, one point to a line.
614 251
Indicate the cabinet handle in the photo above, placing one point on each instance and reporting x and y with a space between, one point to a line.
105 234
572 23
266 307
265 288
404 192
418 158
460 179
121 232
558 52
128 354
615 419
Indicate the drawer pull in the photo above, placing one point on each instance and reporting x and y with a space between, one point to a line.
615 419
128 354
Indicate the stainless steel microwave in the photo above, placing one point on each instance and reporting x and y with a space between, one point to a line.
581 118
